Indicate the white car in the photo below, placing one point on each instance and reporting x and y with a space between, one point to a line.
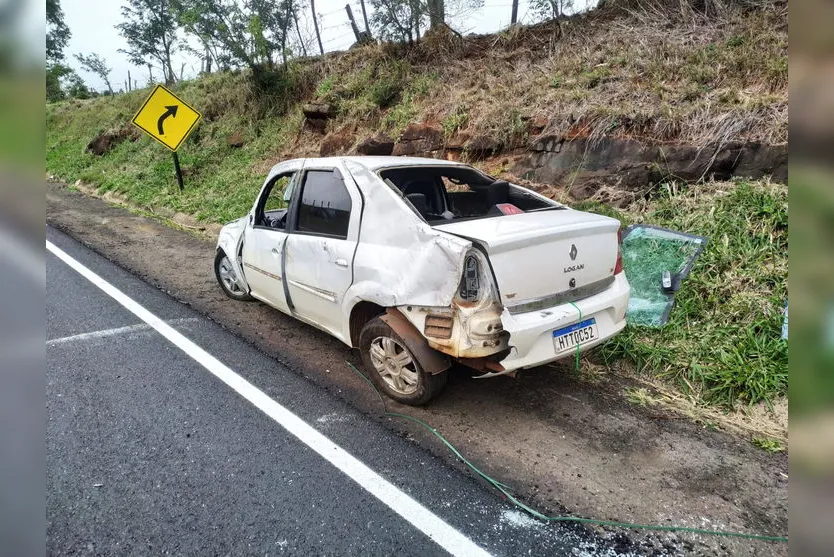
422 262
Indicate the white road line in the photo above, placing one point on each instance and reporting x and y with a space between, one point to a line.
401 503
81 337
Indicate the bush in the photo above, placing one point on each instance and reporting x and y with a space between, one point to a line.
385 92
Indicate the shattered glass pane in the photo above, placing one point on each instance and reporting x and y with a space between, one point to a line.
647 252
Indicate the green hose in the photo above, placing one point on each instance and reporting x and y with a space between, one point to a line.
506 490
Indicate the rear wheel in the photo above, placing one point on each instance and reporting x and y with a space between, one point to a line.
393 367
227 278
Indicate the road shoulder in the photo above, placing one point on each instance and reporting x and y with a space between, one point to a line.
562 443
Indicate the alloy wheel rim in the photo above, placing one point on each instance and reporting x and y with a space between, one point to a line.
228 277
395 365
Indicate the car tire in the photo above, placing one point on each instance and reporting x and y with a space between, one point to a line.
222 271
393 368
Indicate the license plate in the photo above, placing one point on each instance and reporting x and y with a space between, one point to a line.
576 334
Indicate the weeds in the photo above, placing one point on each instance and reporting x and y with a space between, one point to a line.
456 120
512 131
384 92
769 445
325 87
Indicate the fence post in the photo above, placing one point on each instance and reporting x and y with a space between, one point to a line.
352 22
316 26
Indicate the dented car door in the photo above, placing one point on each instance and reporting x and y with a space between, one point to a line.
265 237
323 233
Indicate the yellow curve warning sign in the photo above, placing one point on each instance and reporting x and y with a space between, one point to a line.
166 118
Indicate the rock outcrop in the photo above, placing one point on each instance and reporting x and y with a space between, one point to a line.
380 144
105 141
419 140
585 165
336 143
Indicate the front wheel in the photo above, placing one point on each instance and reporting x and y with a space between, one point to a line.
227 278
393 367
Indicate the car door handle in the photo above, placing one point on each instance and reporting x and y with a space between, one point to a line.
342 262
276 252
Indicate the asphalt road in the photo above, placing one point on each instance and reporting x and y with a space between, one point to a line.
149 452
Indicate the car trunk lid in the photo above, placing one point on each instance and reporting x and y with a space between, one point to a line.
545 258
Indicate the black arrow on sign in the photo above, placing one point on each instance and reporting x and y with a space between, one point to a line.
170 111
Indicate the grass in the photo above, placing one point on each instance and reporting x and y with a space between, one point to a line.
722 342
220 181
769 445
455 120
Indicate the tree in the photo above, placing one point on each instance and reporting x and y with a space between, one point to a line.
398 20
97 65
150 30
57 32
402 20
57 37
551 9
54 74
202 20
248 33
76 88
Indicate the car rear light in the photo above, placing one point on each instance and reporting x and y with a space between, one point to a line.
470 282
618 266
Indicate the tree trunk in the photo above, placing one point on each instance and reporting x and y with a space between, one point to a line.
316 25
171 78
415 17
365 18
514 18
298 32
436 13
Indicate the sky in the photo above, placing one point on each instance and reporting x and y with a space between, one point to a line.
92 23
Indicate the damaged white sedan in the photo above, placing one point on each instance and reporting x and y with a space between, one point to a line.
422 262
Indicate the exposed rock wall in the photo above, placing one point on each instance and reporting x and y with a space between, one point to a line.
582 164
585 165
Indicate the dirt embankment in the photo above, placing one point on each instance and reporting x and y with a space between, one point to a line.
607 99
562 442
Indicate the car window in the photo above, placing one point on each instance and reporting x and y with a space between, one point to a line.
278 198
325 204
272 211
444 194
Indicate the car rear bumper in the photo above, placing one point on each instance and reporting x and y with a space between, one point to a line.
531 333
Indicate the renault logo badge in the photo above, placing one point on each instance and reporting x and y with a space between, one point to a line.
573 252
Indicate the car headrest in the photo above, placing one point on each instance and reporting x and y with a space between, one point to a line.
418 201
498 192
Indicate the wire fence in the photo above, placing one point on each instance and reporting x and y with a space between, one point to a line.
493 16
337 35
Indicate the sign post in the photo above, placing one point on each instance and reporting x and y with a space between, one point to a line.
169 120
177 169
